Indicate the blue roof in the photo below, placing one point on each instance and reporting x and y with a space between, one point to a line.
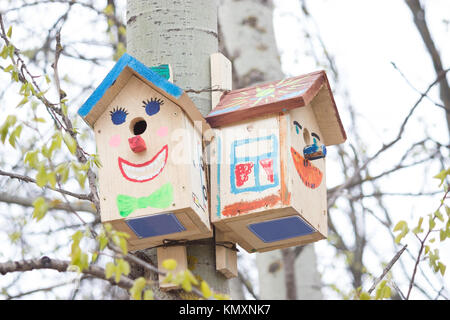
128 61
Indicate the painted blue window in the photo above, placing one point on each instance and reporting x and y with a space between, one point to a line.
280 229
257 172
155 225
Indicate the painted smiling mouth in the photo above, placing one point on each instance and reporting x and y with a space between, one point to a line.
309 174
144 171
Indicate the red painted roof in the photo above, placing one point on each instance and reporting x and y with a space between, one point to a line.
271 97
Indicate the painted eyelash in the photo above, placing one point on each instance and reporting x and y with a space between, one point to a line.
315 135
298 124
146 102
118 109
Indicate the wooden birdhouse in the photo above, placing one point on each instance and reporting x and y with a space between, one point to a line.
268 176
148 132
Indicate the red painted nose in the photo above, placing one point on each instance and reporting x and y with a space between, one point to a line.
137 144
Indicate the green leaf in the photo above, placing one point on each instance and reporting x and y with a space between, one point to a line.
136 289
123 267
81 178
431 223
118 275
51 177
400 225
4 54
418 229
103 241
22 102
383 291
206 291
9 33
123 245
77 236
168 278
15 135
442 235
442 175
110 268
148 295
169 264
70 142
31 158
186 285
442 268
41 177
56 141
191 277
364 296
109 10
94 257
40 208
439 215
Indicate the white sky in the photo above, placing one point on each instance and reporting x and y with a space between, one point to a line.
364 37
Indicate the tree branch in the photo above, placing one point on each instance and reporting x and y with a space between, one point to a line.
61 266
388 267
28 202
28 179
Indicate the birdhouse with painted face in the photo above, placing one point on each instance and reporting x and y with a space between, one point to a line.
148 132
268 176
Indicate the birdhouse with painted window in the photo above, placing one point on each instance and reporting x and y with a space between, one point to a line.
152 181
268 187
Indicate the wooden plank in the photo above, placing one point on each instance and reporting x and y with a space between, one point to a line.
307 183
332 130
220 76
283 122
226 259
178 253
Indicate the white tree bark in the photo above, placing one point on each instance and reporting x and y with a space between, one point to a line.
247 39
182 34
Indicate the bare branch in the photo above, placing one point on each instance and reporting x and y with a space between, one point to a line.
28 179
61 266
28 202
388 267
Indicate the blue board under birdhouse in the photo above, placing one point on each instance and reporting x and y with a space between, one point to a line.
280 229
155 225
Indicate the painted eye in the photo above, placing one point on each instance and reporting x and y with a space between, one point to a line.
298 127
315 135
118 115
152 106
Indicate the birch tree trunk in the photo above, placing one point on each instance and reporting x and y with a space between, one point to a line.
182 34
247 39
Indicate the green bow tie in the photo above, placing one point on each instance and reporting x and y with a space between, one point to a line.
161 198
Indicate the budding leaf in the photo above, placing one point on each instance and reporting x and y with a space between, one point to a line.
70 142
169 264
206 291
109 270
40 208
148 295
